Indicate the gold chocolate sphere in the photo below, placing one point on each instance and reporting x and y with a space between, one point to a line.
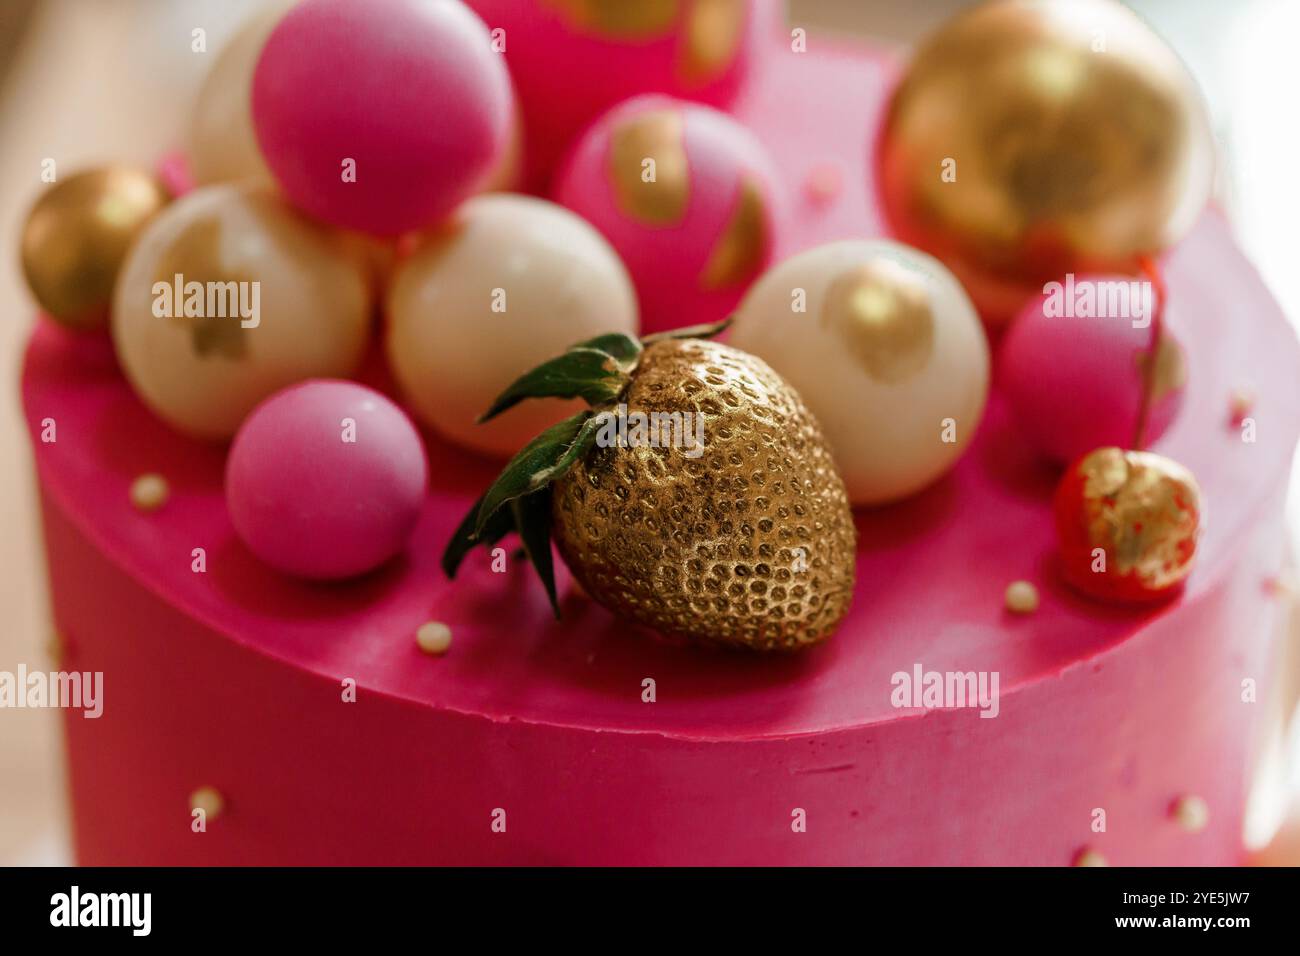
1029 138
77 235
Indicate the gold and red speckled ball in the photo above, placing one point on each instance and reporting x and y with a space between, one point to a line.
1127 522
688 198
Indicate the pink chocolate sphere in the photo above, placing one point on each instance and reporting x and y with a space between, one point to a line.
381 116
326 479
573 60
1074 361
686 196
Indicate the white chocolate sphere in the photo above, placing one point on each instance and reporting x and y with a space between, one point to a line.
510 282
220 143
886 349
308 315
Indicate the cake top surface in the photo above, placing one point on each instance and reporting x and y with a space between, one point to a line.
931 571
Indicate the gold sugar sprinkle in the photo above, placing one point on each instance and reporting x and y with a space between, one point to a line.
434 637
1021 597
1240 404
209 800
149 492
1191 813
1089 857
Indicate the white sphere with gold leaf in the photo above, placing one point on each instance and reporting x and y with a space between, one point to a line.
885 347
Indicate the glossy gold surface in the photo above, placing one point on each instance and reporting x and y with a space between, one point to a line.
656 135
742 248
710 39
1169 372
1031 138
619 19
881 311
78 234
196 251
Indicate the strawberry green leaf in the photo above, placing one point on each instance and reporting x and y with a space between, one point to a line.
689 332
465 540
622 347
580 446
532 516
542 460
585 373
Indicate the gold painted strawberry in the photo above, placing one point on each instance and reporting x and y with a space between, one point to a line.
697 496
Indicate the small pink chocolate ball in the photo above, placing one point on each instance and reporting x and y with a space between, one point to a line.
381 116
574 59
1074 363
687 197
326 479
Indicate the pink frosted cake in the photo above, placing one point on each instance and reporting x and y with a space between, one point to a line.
308 715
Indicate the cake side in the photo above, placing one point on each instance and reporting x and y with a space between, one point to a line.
307 777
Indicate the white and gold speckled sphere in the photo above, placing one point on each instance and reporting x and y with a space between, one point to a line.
306 296
885 348
508 283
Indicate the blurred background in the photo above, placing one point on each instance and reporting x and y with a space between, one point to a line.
88 81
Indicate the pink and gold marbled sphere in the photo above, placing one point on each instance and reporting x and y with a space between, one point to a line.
687 197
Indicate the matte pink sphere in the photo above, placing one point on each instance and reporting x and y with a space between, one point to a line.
407 93
326 480
696 236
1075 383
